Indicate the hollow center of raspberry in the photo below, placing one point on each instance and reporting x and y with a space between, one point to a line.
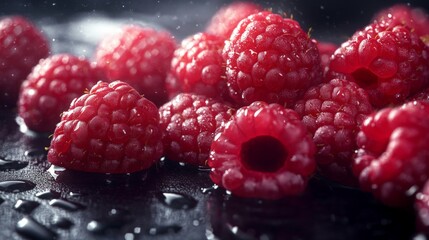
263 154
364 77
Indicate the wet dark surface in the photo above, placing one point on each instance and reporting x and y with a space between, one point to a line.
170 201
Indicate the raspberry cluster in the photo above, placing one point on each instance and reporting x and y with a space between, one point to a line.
253 97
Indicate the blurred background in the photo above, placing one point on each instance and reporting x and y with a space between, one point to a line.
86 21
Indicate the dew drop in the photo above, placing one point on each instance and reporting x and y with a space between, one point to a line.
66 205
8 165
209 190
29 228
96 227
25 206
16 186
115 219
164 229
61 222
48 195
177 200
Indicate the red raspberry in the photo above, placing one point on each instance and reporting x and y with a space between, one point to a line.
189 123
263 152
198 67
51 87
226 18
141 57
393 157
22 46
326 50
270 58
111 129
415 18
333 113
390 62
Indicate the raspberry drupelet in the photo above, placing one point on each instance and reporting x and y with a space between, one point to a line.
392 160
189 123
50 88
389 61
198 67
22 46
333 113
139 56
270 58
111 129
263 152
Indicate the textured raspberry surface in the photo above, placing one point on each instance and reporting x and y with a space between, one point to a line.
270 58
198 67
139 56
226 18
390 62
22 46
263 152
189 123
393 156
333 113
111 129
51 87
326 50
417 19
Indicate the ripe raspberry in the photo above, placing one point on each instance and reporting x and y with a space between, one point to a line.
333 113
141 57
198 67
390 62
326 50
22 46
263 152
270 58
51 87
415 18
189 123
393 157
111 129
226 18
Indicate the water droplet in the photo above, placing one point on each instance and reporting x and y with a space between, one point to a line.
35 153
204 169
164 229
48 195
16 186
66 205
25 206
115 219
7 165
1 200
29 228
76 194
61 222
177 200
209 190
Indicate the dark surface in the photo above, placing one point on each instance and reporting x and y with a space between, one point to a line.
171 201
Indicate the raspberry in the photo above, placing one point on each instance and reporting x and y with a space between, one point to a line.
226 18
333 113
270 58
390 62
189 123
198 67
326 50
111 129
415 18
22 46
50 88
141 57
264 151
393 157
